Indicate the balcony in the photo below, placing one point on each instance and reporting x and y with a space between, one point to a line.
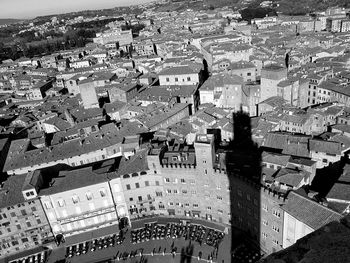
91 227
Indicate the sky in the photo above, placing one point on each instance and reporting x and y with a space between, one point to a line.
33 8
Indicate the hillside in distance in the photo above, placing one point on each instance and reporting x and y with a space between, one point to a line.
4 21
300 7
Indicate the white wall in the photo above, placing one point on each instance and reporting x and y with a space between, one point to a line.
293 230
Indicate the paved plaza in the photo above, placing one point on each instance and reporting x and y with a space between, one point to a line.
158 250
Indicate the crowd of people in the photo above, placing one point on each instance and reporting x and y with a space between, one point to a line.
95 244
193 232
151 231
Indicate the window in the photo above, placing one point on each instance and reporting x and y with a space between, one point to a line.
264 235
23 212
187 204
140 198
182 181
167 79
275 228
264 207
275 241
14 243
176 79
13 214
146 183
265 222
75 199
88 196
131 199
276 213
168 191
220 211
48 205
128 187
184 191
167 180
175 191
195 205
209 208
137 185
60 202
102 192
159 194
188 78
18 226
33 208
249 74
38 221
219 197
192 181
28 224
157 183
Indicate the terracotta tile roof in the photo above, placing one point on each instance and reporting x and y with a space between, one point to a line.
69 180
11 192
308 211
325 146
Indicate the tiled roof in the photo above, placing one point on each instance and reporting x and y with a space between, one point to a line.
341 127
340 191
135 163
274 101
61 124
114 106
69 180
19 157
297 146
274 158
180 70
289 176
325 146
220 80
308 211
11 192
275 140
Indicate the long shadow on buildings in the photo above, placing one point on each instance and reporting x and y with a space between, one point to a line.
243 168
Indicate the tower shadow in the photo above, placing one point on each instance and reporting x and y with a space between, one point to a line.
243 169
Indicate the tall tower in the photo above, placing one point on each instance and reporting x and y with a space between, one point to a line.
205 151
